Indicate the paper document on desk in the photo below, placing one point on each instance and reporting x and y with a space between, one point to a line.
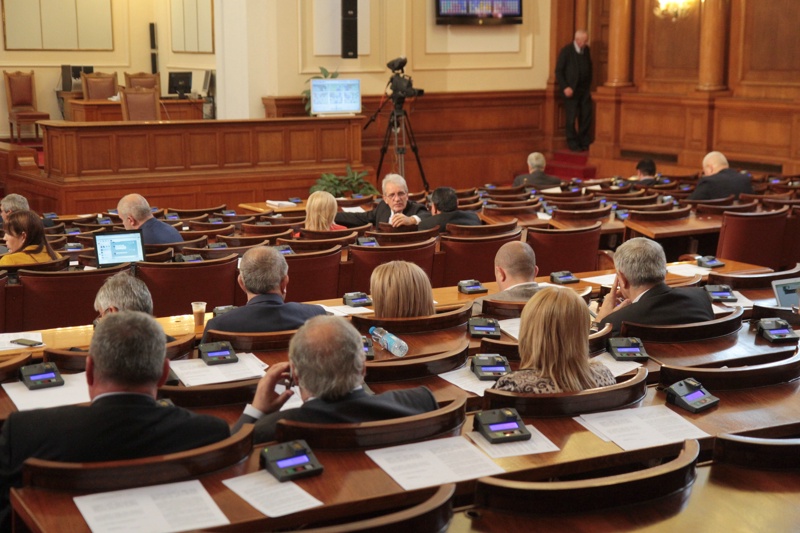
356 209
6 338
466 379
616 367
433 462
687 270
346 310
280 203
269 496
543 216
606 280
74 390
538 443
157 509
510 326
193 372
632 429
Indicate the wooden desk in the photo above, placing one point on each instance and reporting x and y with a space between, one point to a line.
682 227
610 225
262 207
524 220
107 110
352 483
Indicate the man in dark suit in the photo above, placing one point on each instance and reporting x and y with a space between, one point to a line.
264 276
124 369
444 211
536 177
136 213
574 75
515 272
640 295
720 181
395 207
326 361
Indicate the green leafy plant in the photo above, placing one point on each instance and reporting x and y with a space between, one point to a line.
352 182
323 75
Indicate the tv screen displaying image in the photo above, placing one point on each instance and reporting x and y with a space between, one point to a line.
180 83
335 97
479 12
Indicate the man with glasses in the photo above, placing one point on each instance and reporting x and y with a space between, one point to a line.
395 207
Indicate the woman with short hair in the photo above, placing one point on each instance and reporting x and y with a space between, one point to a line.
400 290
320 210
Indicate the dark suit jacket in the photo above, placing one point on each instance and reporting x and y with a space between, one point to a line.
358 406
722 184
568 69
664 306
464 218
265 313
156 231
537 179
119 426
381 213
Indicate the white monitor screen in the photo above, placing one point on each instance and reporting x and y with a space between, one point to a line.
117 247
335 97
787 291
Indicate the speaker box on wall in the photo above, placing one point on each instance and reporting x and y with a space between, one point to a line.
153 43
349 29
153 63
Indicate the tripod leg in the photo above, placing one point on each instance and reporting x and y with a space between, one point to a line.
413 142
384 147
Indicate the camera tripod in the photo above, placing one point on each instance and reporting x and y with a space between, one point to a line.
399 128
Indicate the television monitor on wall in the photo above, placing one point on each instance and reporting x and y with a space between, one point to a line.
180 83
479 12
335 97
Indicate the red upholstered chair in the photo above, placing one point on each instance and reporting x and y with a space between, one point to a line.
175 285
565 249
314 275
636 200
140 103
484 230
511 211
575 206
188 213
568 213
471 257
674 214
333 234
217 253
755 238
728 200
272 229
404 237
317 245
21 101
60 299
696 331
99 85
252 240
708 209
363 260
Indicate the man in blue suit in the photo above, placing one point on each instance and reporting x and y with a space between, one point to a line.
136 213
264 276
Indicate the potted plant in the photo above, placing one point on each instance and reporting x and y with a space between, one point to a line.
352 182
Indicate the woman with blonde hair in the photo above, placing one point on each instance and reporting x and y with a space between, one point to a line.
400 289
26 241
320 210
554 347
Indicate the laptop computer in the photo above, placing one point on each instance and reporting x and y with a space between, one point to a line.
787 292
116 247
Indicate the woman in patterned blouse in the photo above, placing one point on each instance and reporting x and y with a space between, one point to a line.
554 347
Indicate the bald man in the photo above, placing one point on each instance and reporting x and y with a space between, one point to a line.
135 213
719 180
574 75
515 272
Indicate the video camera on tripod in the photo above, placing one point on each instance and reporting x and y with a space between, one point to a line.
401 86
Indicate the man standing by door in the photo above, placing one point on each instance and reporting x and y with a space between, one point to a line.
574 75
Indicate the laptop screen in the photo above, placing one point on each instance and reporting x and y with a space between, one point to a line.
117 247
787 291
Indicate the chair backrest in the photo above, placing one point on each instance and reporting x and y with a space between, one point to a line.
694 281
175 285
181 348
129 473
9 368
624 394
404 368
177 247
752 281
364 259
444 320
648 199
252 240
590 493
740 231
315 275
334 233
20 90
735 377
567 213
443 422
755 452
645 207
695 331
253 342
186 213
748 207
484 230
271 229
471 257
786 313
404 237
163 256
599 340
143 79
314 245
99 85
728 200
583 205
513 189
61 299
565 249
216 253
353 202
218 394
140 103
476 206
514 210
674 214
566 196
211 233
527 202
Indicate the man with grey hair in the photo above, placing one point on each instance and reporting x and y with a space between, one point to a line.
515 272
536 177
640 295
395 207
264 276
123 292
17 202
136 213
125 367
720 181
326 361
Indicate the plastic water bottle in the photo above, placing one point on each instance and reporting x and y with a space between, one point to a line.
391 343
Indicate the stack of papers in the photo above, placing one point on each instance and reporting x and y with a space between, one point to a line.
688 270
616 367
269 496
356 209
194 372
346 310
280 203
74 390
510 326
466 379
